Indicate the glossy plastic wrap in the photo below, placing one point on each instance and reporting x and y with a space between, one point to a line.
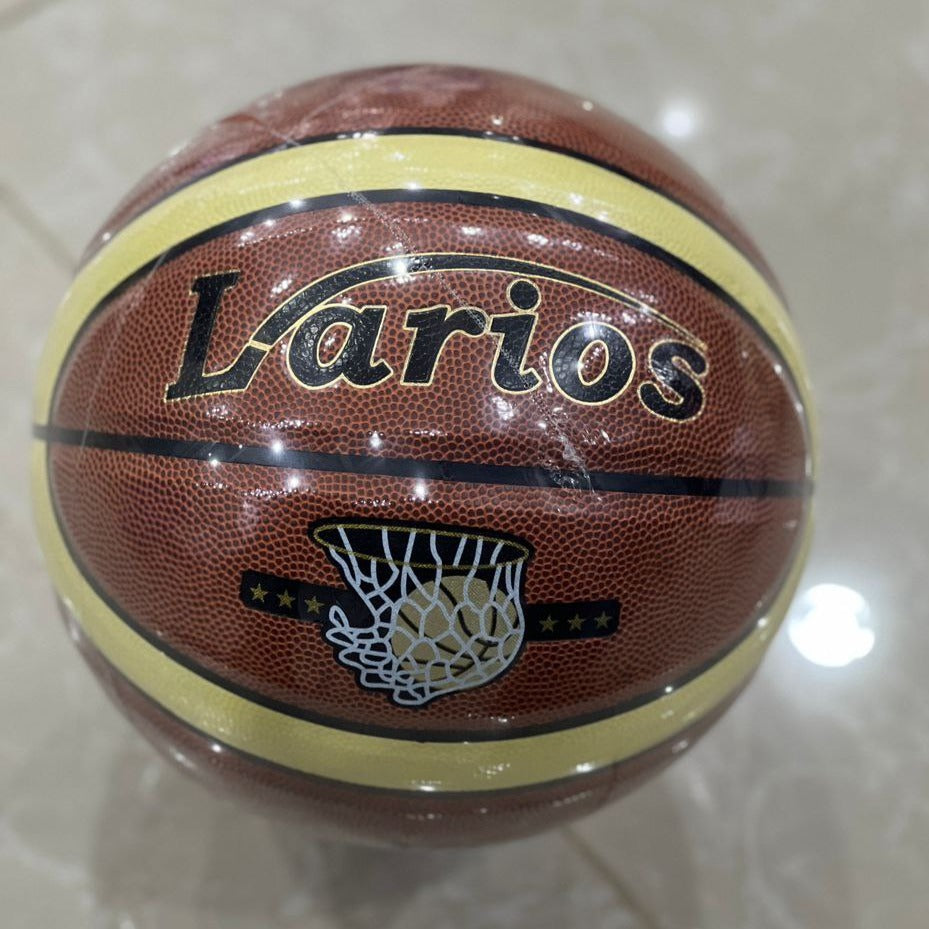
425 451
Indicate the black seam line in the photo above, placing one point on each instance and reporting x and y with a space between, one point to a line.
416 469
471 134
398 791
467 198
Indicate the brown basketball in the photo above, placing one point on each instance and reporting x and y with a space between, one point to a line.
436 473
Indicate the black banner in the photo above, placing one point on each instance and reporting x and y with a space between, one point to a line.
305 602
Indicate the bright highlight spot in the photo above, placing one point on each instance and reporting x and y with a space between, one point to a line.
679 120
830 626
504 408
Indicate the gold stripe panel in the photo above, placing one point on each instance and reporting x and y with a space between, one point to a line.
416 161
375 761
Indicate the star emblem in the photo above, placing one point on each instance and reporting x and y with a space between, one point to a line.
602 621
548 624
575 622
258 593
313 605
285 600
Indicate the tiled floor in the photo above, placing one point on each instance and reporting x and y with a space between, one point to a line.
808 806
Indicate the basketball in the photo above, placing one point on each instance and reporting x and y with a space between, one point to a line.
449 631
423 452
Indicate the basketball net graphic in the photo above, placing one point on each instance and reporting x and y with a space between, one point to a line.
427 610
445 606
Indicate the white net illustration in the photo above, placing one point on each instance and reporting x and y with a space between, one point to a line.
444 607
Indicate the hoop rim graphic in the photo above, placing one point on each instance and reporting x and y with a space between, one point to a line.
515 551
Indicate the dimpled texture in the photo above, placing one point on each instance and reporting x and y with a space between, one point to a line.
166 539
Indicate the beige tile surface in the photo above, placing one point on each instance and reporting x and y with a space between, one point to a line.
808 806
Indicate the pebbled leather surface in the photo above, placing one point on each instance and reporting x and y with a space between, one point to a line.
166 539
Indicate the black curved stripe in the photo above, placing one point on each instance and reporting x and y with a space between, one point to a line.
468 198
328 287
415 469
473 134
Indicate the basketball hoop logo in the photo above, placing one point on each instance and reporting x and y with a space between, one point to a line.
428 610
446 608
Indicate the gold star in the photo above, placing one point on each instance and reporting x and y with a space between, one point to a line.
548 624
258 592
285 600
575 622
313 605
602 621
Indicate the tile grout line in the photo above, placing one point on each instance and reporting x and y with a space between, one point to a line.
21 12
631 901
23 214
